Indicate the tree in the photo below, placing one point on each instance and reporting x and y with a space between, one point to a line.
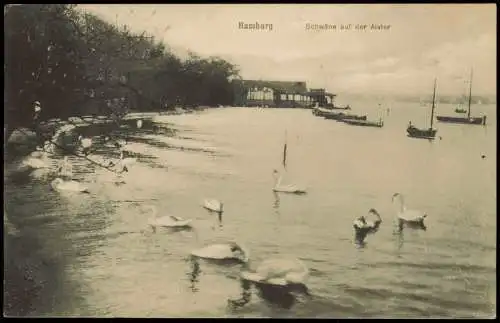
41 60
57 54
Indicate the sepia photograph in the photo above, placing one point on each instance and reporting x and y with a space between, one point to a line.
250 161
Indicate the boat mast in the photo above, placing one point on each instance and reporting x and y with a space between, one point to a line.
433 105
285 151
470 94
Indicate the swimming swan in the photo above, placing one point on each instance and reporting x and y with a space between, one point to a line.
277 280
59 184
410 218
278 187
168 221
85 143
362 227
36 162
280 272
214 206
223 251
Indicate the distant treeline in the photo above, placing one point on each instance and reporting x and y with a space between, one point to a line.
462 100
446 99
66 58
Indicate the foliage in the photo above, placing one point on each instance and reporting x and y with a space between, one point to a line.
64 58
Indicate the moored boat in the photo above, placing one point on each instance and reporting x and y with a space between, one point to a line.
344 116
421 133
464 120
429 133
321 112
364 123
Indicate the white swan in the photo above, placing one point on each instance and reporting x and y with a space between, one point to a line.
213 205
85 143
168 221
36 162
216 206
362 227
281 272
223 251
139 124
59 184
290 188
409 218
277 280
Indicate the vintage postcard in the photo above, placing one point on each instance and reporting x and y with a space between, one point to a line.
267 160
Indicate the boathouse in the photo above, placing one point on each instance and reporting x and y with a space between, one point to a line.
279 94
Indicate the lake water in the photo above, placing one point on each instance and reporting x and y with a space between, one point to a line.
91 255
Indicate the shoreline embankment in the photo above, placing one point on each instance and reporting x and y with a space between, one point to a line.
35 281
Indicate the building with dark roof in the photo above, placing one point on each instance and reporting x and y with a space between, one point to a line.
249 93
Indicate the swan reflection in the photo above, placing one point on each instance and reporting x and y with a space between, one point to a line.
278 281
194 274
363 228
281 296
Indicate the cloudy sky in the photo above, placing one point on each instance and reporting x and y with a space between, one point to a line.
423 42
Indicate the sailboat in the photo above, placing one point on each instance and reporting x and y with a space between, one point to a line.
429 133
366 123
468 119
460 108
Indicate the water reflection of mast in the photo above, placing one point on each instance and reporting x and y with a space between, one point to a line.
194 275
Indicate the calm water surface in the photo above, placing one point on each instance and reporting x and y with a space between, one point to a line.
100 260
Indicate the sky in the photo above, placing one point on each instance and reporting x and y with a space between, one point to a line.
423 41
